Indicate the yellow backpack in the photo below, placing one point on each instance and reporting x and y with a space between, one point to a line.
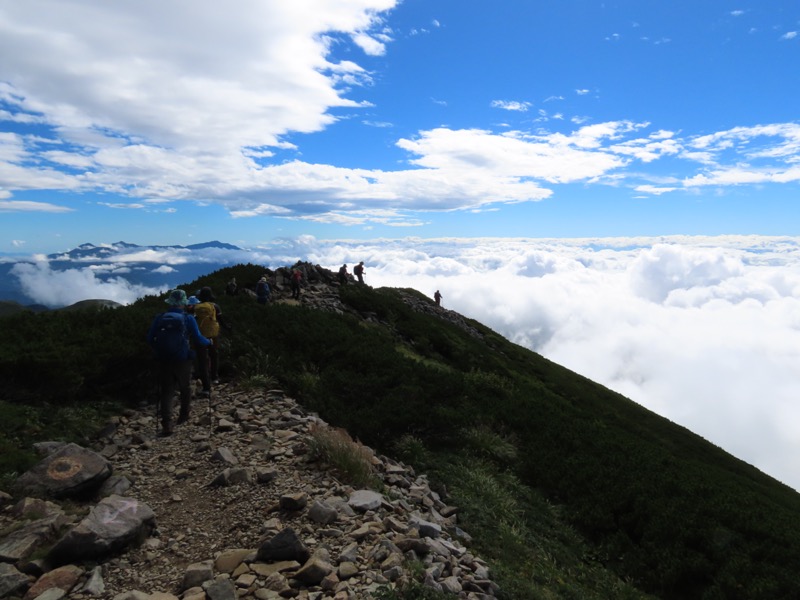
206 315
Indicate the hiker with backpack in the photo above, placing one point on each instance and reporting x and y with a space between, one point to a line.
359 271
169 336
437 298
296 279
209 318
262 291
343 274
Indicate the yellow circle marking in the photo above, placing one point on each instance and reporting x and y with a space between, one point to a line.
63 468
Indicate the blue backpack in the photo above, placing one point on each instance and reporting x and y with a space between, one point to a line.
171 339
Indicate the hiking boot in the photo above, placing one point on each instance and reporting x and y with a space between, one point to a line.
204 394
182 418
166 430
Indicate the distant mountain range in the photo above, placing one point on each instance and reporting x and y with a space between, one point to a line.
107 251
121 260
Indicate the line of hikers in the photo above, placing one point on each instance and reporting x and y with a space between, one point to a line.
185 340
263 291
358 271
197 319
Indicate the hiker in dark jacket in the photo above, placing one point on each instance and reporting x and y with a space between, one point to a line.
359 271
232 288
262 291
176 369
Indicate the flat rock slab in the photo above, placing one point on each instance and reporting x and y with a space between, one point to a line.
11 581
69 472
22 542
365 500
111 526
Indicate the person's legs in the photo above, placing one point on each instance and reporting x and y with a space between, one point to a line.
166 382
202 367
213 356
183 372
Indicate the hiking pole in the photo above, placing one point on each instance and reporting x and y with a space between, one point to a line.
158 402
210 388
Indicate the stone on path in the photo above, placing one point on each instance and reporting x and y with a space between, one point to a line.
112 525
69 472
286 545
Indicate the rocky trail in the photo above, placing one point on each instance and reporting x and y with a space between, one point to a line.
234 505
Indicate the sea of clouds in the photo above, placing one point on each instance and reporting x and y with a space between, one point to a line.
704 331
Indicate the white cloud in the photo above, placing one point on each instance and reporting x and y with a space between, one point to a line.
704 331
30 206
62 288
123 206
369 44
789 35
511 105
655 190
210 97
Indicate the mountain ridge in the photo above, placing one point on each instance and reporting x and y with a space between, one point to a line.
147 272
530 450
90 250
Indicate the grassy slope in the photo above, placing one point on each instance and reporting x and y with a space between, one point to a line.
570 488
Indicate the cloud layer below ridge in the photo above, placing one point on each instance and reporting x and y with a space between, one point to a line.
704 331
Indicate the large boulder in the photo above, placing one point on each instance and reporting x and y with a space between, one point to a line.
112 525
286 545
71 471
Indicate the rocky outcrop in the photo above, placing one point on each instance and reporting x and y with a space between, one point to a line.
69 472
233 505
320 292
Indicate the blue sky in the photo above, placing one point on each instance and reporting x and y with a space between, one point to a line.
381 119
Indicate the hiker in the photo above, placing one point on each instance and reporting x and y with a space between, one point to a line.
359 271
231 289
295 280
437 298
169 337
343 274
262 291
209 318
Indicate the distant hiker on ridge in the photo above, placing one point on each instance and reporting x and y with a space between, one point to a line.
169 337
359 271
295 280
262 291
437 298
231 289
343 274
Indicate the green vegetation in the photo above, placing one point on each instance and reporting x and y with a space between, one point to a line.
568 489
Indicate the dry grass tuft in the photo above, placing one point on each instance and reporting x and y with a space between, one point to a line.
351 459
